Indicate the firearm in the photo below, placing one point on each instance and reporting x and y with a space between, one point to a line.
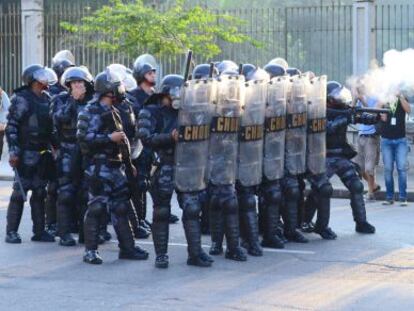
112 122
357 112
19 184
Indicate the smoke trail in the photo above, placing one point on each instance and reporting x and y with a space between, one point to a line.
395 77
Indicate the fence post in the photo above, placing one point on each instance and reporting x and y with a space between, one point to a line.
363 35
32 32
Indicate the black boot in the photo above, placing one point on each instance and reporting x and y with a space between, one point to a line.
43 237
146 225
231 227
173 219
254 248
52 229
14 213
161 261
136 254
160 229
13 237
91 231
124 233
273 242
216 231
67 240
92 257
141 233
364 227
296 236
326 233
192 229
206 257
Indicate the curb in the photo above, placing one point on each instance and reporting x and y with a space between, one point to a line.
380 195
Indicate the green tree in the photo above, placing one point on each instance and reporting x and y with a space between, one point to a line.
131 27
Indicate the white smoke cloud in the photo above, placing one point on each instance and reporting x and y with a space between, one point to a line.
395 77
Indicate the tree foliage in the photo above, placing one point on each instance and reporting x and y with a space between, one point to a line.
131 27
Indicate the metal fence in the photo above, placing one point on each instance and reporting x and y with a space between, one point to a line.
10 45
394 27
317 38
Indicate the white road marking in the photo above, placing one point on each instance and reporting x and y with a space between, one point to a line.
269 250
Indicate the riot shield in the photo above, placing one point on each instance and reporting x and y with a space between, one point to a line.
194 118
275 128
296 116
316 139
250 157
223 147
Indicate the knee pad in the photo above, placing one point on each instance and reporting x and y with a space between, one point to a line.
96 209
192 211
16 197
356 186
39 194
120 208
273 195
326 190
161 213
66 198
247 202
292 193
230 206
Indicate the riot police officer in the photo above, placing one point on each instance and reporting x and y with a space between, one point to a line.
250 158
157 128
101 137
60 62
224 207
191 157
71 184
321 188
29 136
295 154
270 194
340 152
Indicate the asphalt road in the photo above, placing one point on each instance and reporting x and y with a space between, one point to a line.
355 272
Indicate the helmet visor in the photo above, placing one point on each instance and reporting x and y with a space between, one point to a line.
45 76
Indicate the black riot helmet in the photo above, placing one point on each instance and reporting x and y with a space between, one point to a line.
228 66
338 96
202 71
331 85
76 74
109 82
171 85
247 69
62 61
60 66
293 71
38 73
142 65
275 70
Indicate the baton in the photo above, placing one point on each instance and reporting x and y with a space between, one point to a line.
210 73
19 183
188 64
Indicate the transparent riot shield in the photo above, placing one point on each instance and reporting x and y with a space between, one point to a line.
296 120
250 163
223 147
316 140
275 128
194 118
